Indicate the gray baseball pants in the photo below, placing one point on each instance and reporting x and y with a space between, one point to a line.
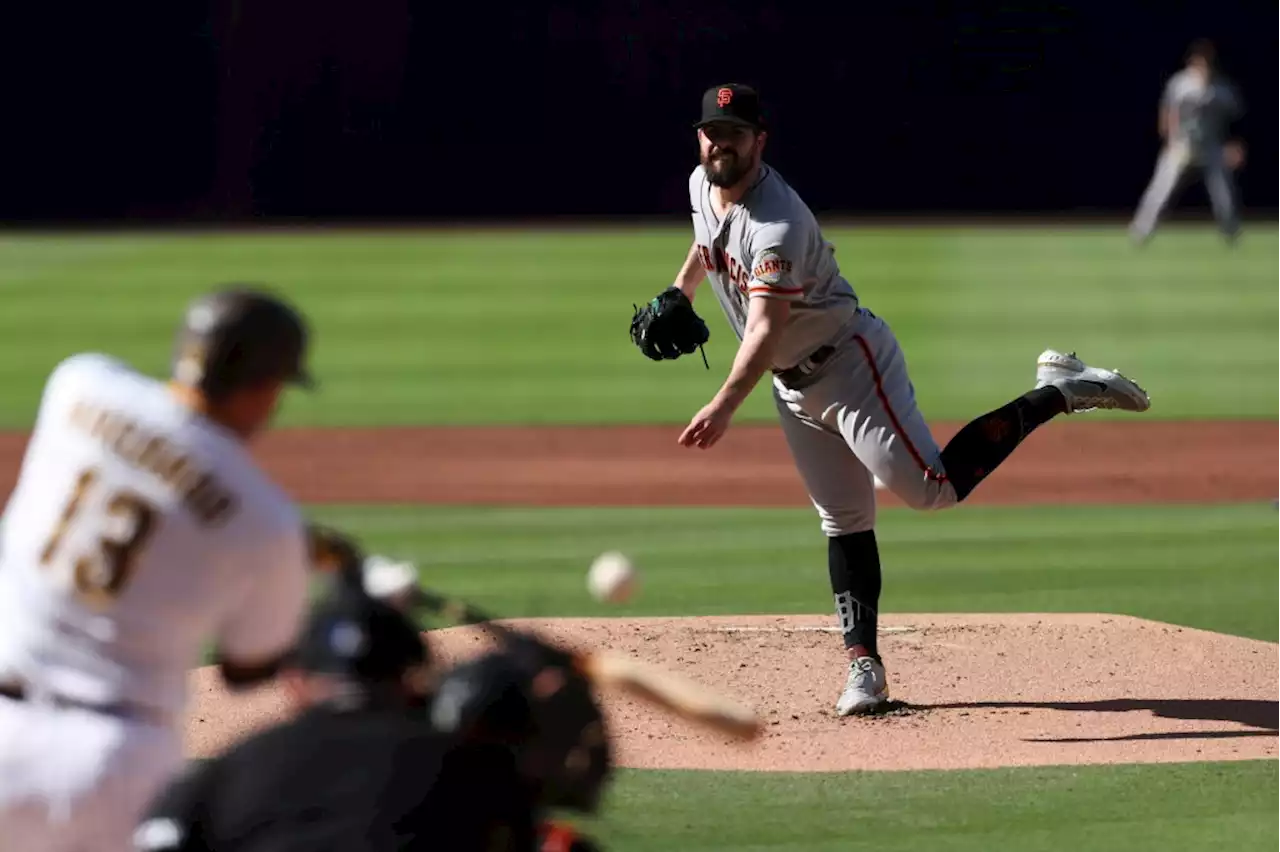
1172 166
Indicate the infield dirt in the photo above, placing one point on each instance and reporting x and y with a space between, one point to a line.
1073 461
979 690
973 691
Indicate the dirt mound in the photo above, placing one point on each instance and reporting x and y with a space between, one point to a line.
970 691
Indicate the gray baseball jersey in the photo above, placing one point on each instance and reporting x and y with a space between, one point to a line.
854 419
1205 109
769 245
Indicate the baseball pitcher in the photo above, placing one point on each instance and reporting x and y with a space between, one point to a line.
140 529
840 381
1196 111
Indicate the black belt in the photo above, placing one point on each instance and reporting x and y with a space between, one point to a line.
793 375
16 691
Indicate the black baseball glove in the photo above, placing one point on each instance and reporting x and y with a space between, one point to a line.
668 327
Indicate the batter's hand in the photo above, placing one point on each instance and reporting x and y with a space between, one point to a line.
708 425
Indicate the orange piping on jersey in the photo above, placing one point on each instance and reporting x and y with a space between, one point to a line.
929 472
781 291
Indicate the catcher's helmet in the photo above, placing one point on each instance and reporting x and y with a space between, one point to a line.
238 336
357 637
531 696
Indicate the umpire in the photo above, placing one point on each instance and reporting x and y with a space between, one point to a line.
358 769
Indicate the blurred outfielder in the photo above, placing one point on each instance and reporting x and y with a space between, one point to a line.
1196 111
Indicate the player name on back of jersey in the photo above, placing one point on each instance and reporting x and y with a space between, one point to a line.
201 492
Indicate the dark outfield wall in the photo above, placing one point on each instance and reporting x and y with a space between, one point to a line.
388 108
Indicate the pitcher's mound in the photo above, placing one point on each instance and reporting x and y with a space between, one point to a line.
969 691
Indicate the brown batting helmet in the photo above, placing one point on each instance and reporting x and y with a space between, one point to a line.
238 336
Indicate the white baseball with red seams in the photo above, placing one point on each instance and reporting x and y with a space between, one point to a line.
612 578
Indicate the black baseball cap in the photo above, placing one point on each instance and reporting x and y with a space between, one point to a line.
359 638
732 103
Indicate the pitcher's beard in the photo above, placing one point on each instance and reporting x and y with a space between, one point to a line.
725 172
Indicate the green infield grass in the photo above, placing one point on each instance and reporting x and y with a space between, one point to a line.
1211 567
1100 808
512 326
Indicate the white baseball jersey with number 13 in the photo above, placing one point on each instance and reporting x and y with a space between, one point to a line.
138 532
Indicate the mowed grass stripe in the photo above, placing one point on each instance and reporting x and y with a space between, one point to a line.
1211 567
1153 807
529 327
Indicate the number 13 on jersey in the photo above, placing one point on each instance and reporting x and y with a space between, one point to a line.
101 573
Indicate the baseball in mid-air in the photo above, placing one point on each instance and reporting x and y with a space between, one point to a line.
612 578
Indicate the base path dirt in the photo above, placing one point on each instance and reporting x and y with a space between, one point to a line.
971 691
1073 461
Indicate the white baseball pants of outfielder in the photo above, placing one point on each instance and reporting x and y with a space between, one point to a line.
858 421
1172 165
72 780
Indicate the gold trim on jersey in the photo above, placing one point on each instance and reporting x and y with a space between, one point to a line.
203 495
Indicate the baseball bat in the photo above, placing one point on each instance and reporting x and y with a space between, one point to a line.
673 692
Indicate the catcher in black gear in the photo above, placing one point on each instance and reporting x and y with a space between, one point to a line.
668 327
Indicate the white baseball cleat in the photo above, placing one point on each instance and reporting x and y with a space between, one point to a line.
866 688
1087 388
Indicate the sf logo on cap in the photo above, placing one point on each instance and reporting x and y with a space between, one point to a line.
723 97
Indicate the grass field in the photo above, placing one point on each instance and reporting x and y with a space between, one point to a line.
1141 807
453 327
528 327
1212 567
